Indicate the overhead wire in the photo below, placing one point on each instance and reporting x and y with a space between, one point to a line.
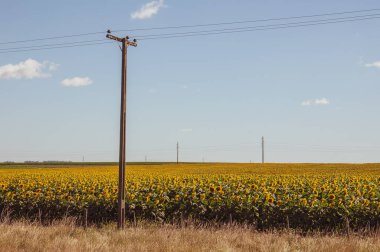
56 47
342 19
246 21
196 33
191 26
49 45
51 38
239 30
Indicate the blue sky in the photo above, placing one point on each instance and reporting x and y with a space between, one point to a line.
313 92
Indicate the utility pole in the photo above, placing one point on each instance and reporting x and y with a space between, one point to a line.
123 107
262 150
177 151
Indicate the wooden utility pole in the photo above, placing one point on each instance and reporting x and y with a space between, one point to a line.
123 107
177 151
262 150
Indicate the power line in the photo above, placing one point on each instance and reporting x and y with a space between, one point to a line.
51 38
237 30
198 33
55 47
317 21
248 21
190 26
49 45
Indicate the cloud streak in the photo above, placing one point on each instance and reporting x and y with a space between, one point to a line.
77 82
316 102
375 64
28 69
148 10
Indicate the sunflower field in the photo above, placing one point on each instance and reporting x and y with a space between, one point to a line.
303 196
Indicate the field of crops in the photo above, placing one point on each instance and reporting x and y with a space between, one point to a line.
304 196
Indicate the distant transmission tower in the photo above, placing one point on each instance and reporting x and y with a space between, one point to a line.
262 150
177 151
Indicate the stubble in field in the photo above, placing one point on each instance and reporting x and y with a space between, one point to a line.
67 237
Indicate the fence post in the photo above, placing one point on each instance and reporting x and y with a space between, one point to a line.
134 219
85 218
40 216
182 222
287 222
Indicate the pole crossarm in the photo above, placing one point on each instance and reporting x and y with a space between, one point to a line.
131 43
114 38
122 40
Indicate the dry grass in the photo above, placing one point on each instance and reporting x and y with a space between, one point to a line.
23 236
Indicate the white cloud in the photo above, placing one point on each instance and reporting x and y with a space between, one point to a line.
148 10
77 82
373 64
322 101
28 69
186 130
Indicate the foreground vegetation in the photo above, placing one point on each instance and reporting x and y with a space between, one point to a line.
21 236
303 196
